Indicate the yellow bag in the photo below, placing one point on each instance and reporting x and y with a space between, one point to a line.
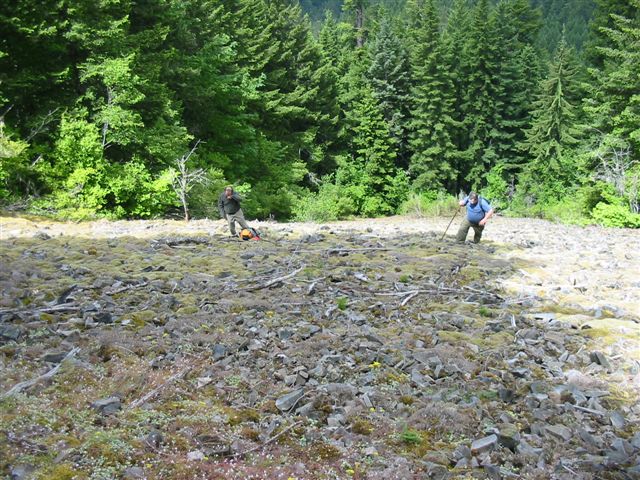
246 234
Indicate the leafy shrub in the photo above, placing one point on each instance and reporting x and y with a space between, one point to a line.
569 210
429 204
497 189
85 185
609 215
15 171
410 437
331 202
134 192
203 199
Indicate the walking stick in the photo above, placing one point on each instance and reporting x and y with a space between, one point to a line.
450 222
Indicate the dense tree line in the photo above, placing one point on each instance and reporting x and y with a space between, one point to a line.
100 100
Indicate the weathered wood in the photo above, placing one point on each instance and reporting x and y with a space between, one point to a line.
126 287
267 442
30 383
148 396
274 280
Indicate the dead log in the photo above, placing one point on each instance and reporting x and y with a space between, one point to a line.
145 398
274 280
30 383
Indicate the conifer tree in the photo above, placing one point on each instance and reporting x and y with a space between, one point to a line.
432 160
516 26
480 99
373 160
555 131
357 9
389 76
455 38
604 19
614 100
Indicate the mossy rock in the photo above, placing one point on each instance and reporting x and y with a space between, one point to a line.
322 451
361 426
190 310
62 471
236 417
141 318
455 337
495 340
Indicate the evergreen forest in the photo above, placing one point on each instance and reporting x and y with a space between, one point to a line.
141 109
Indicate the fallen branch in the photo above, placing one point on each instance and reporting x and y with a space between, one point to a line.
408 298
588 410
56 308
340 250
363 249
436 290
126 287
274 280
145 398
30 383
267 442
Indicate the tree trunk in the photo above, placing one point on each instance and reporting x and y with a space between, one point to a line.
359 26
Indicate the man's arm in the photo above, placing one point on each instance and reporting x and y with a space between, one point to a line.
486 217
236 197
489 212
464 201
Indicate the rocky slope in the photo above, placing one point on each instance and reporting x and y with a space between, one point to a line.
368 349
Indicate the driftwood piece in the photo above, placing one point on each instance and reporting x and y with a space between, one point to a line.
148 396
438 290
126 287
30 383
274 281
268 441
587 410
408 298
65 307
180 241
335 250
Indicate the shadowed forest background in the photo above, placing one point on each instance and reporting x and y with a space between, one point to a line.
369 109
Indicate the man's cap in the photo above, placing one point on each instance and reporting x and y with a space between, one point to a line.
473 196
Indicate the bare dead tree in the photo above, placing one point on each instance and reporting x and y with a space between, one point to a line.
44 122
617 167
184 180
105 125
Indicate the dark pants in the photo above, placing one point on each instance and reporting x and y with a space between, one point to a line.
232 218
464 229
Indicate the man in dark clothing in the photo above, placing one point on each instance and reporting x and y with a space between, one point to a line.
478 212
229 208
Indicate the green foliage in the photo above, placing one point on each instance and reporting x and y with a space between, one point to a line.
87 185
410 437
497 188
135 192
204 203
609 215
14 168
432 125
431 203
331 202
342 303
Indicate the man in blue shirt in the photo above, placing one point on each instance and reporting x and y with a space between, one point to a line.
478 212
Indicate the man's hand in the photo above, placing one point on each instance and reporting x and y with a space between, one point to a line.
482 222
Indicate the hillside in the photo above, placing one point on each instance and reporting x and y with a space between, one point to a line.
367 349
